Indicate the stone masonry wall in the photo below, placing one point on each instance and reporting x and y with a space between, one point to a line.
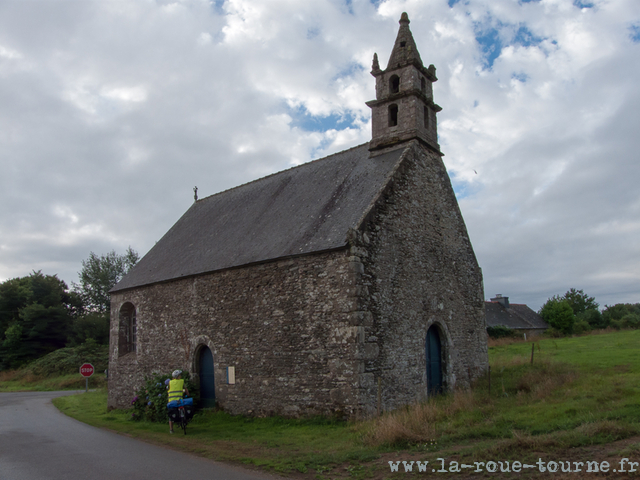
286 326
419 270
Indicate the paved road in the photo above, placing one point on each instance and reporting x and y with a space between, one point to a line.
37 442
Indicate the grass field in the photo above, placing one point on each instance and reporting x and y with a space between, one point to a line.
578 400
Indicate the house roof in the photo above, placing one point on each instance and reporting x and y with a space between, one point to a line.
309 208
516 316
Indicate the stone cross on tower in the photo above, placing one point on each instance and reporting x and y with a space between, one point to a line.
403 109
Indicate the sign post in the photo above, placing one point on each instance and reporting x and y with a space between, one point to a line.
86 370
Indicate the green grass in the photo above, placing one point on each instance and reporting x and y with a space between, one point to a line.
579 393
281 445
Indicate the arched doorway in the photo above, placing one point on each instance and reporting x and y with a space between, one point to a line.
433 348
207 381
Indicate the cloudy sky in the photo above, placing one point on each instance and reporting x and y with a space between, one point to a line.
112 111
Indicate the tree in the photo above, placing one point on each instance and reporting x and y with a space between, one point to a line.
579 301
584 308
99 274
36 314
557 312
622 315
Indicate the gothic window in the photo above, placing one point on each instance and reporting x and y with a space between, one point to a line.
394 84
127 329
426 117
393 115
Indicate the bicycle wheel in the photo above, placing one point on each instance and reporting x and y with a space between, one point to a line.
183 420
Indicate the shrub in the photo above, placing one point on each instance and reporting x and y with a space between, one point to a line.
500 332
68 360
593 317
630 320
581 326
150 401
559 315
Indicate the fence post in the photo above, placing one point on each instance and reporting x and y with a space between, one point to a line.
532 345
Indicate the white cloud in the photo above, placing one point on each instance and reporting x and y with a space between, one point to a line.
113 111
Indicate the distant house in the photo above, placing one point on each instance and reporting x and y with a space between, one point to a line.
514 316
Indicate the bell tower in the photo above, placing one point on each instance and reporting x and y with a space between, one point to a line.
403 109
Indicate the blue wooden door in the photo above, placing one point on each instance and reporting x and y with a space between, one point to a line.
207 381
434 361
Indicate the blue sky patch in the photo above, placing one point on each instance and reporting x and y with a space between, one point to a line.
217 6
490 44
525 37
349 4
452 3
522 77
314 123
634 33
461 188
583 4
352 68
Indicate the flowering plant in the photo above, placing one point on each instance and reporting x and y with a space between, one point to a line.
150 402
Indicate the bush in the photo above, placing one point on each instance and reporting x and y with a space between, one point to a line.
630 320
68 360
559 315
581 326
593 317
501 332
150 401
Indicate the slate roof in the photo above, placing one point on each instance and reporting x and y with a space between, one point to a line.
309 208
516 316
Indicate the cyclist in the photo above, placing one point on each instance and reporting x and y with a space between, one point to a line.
176 389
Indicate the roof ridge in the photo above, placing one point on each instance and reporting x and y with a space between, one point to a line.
278 173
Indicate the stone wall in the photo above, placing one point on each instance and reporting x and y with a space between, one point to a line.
286 326
317 334
419 270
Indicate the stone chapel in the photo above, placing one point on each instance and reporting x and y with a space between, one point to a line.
347 285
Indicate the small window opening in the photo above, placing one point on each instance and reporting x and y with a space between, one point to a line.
426 117
394 84
127 335
403 44
393 115
423 85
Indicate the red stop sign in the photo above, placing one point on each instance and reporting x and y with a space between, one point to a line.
86 370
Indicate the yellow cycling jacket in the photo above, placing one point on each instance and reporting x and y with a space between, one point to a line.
175 389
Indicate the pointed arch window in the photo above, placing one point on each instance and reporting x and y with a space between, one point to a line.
127 331
393 115
394 84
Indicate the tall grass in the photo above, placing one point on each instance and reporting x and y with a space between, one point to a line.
467 413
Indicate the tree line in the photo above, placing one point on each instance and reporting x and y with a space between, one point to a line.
39 313
576 312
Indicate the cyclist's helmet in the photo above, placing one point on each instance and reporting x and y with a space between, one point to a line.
176 373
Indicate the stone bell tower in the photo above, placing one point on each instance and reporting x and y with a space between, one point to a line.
403 109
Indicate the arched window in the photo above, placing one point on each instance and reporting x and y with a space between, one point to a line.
394 84
127 330
426 117
393 115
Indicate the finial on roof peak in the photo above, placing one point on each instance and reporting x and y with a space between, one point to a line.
375 67
404 18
